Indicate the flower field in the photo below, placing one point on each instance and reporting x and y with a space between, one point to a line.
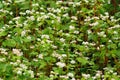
59 40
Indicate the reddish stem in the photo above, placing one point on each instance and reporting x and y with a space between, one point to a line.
4 17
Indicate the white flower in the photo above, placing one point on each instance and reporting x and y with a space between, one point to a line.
117 26
89 31
2 59
45 36
18 61
33 11
14 63
77 3
19 72
106 13
51 75
10 1
92 44
23 66
64 55
57 10
38 39
86 1
71 27
52 21
56 55
65 15
37 12
58 2
70 3
73 79
32 18
25 23
42 42
64 76
18 1
70 74
40 56
102 45
38 74
36 60
67 34
31 73
98 73
58 19
98 48
74 41
60 64
8 35
35 4
86 76
1 79
74 17
49 41
32 47
28 11
65 8
17 52
94 77
102 34
6 53
54 47
10 22
115 73
23 33
87 19
22 13
76 32
115 32
95 18
104 17
16 18
111 71
62 39
29 37
85 43
72 62
94 24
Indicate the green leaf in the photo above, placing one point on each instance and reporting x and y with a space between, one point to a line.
1 5
84 9
33 53
43 65
93 37
18 30
118 53
118 45
24 5
3 33
83 61
112 46
9 43
81 48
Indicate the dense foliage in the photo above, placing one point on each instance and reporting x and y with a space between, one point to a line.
59 40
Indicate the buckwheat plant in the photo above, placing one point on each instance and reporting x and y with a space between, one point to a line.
59 40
